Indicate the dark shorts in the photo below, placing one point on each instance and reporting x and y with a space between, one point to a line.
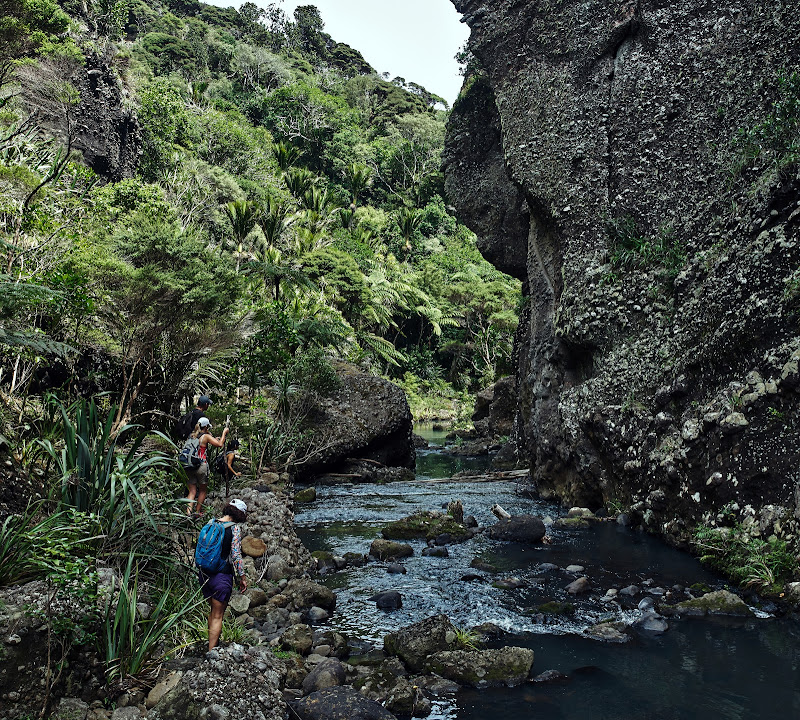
218 586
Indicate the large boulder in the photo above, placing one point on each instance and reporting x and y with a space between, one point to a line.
519 528
720 602
415 643
329 673
483 668
427 525
368 418
339 703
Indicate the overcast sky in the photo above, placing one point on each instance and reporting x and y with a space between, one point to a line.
415 39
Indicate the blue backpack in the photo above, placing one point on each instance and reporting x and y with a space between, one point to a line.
208 553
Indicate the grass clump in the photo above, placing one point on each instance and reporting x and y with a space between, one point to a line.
630 247
751 562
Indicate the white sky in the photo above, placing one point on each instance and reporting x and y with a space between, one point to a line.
415 39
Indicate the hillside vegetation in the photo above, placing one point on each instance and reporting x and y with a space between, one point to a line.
286 206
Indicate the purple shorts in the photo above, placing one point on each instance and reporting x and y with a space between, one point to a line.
218 586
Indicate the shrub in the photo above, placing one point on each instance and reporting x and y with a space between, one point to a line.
766 564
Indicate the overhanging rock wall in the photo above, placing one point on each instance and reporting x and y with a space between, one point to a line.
665 381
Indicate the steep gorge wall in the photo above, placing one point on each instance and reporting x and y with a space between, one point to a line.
672 393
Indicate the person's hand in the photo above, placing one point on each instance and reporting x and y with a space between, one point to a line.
238 474
242 584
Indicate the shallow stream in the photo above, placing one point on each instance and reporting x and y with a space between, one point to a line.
700 668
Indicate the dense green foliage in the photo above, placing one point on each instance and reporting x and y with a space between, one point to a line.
283 186
286 211
752 562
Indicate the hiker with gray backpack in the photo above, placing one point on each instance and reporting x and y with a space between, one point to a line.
218 557
194 460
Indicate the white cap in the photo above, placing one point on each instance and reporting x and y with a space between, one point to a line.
239 505
204 422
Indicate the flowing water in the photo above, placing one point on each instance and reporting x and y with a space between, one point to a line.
700 668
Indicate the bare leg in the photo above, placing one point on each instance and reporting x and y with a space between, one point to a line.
215 622
190 497
201 497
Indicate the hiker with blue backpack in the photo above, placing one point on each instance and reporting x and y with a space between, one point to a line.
218 557
194 459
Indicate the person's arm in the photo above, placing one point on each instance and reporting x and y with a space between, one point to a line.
230 457
236 557
217 443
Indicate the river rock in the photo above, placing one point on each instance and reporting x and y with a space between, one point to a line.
161 688
574 568
579 587
339 703
415 643
721 602
239 604
302 594
388 600
550 677
328 673
427 525
651 622
298 638
396 569
70 709
385 549
253 547
630 590
355 559
519 528
317 615
483 668
440 552
611 632
306 495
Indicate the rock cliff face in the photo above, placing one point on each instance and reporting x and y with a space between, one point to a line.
109 135
596 156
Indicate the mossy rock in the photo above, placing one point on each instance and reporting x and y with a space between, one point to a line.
427 525
556 608
385 549
483 668
721 602
306 495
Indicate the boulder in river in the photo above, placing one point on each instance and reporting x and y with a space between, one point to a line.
483 668
306 495
519 528
579 586
426 525
721 602
611 632
388 600
415 643
367 418
339 703
385 549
